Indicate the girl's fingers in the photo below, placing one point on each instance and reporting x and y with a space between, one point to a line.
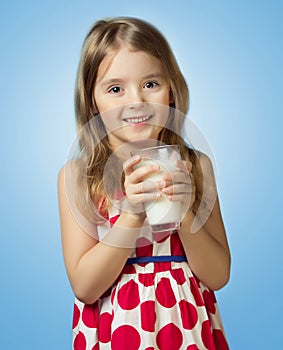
144 187
176 186
184 165
184 175
129 165
139 174
177 177
149 186
178 189
185 198
144 197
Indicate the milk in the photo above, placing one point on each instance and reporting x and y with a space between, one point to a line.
162 214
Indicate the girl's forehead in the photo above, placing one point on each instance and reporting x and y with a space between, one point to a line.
126 57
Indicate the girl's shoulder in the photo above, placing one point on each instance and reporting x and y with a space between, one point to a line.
72 193
72 169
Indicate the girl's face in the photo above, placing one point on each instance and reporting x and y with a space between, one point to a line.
132 96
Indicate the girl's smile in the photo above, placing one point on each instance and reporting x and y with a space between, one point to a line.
132 95
137 120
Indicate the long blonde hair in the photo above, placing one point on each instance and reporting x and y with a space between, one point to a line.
104 37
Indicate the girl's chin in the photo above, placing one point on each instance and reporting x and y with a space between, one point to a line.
132 133
144 129
142 138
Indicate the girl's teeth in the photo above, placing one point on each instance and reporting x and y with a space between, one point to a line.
137 120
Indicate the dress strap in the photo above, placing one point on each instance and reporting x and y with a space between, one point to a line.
160 258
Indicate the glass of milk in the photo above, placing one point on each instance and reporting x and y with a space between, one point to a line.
162 214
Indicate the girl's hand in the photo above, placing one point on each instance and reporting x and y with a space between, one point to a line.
138 188
180 186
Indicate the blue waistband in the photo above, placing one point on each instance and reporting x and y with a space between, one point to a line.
161 258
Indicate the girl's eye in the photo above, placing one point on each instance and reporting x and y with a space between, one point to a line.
151 84
115 90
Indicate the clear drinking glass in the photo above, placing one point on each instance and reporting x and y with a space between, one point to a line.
162 214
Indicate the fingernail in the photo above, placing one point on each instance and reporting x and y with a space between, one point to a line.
156 167
162 183
136 157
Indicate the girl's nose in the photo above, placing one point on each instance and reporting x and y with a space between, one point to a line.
135 96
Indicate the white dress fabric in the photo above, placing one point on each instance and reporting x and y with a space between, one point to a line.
152 305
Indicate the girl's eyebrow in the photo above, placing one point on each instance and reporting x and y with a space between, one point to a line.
154 75
112 81
120 80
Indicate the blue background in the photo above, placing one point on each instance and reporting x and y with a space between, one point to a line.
231 56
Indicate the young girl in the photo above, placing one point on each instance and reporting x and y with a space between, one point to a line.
135 289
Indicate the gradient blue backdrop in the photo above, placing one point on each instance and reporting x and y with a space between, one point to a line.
231 56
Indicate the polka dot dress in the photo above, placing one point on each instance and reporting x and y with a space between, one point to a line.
152 305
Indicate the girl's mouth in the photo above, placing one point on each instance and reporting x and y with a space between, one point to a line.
138 119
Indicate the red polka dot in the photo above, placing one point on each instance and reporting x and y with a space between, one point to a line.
128 269
189 314
206 335
113 220
169 337
178 275
80 342
176 245
128 296
90 315
104 329
209 300
125 337
147 279
160 237
164 293
192 347
220 340
143 247
148 316
196 292
150 348
96 347
76 316
162 266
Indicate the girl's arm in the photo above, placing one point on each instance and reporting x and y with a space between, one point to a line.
93 266
207 249
204 241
